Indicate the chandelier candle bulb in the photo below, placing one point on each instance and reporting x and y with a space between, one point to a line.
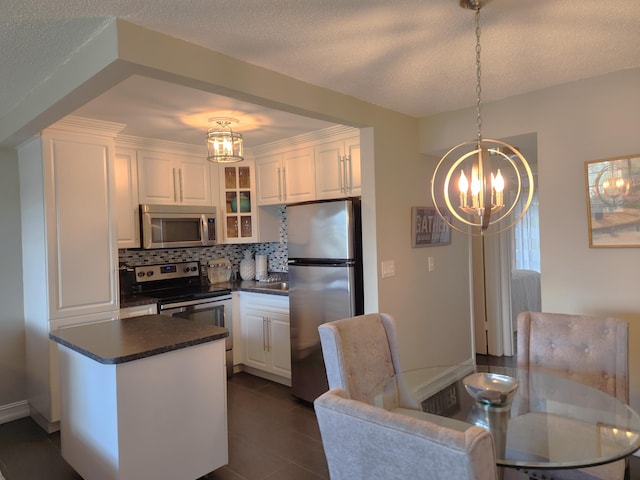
498 183
475 192
463 186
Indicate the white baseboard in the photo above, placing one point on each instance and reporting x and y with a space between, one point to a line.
14 411
259 373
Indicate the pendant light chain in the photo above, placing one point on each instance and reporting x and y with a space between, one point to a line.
478 74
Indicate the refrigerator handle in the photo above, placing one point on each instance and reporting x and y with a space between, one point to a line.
304 262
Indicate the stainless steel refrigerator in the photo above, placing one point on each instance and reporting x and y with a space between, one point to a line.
325 282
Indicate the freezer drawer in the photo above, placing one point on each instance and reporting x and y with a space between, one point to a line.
317 294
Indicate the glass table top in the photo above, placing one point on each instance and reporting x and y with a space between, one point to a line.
552 421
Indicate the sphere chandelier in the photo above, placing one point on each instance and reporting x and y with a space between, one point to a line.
477 185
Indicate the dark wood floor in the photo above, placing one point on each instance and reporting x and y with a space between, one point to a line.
271 436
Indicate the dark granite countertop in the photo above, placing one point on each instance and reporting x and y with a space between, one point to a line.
240 286
136 300
120 341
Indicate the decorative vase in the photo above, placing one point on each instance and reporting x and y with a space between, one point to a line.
247 266
245 203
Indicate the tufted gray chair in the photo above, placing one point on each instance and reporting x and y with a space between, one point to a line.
362 441
590 350
359 353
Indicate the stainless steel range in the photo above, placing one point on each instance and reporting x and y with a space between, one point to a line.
181 293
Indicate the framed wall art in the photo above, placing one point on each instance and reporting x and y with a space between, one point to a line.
613 201
428 229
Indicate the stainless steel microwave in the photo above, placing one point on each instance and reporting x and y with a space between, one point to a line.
168 226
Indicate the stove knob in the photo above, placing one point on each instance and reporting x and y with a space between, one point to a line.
150 273
141 274
193 269
186 269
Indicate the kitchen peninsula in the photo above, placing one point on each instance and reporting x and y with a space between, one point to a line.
143 397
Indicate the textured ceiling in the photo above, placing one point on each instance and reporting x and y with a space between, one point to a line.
413 56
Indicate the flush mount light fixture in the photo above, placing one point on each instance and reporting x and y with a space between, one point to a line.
480 182
223 144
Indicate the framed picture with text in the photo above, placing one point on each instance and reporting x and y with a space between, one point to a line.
428 229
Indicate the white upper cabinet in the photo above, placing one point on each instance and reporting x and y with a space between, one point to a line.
315 166
338 169
171 179
238 215
127 207
76 211
286 177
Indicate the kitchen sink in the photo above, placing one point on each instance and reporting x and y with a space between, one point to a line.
274 285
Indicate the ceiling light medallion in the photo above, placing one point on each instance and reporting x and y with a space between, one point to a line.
223 144
491 176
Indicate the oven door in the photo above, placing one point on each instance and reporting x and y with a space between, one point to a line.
215 311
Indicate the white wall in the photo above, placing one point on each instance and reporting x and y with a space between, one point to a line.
12 350
586 120
431 308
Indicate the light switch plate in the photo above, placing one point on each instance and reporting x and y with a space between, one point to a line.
388 268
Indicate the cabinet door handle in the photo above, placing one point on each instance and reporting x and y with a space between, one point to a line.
175 186
268 334
279 185
341 174
180 176
264 334
350 183
284 184
136 225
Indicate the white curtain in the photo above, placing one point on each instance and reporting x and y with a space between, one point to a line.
526 238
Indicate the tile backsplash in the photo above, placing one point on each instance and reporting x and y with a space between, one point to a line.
276 252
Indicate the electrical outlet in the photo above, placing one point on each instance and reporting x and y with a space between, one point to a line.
388 268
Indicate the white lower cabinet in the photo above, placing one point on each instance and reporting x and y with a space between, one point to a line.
265 333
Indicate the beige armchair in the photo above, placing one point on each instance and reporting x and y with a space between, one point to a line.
590 350
362 441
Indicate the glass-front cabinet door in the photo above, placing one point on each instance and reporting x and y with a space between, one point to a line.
238 202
